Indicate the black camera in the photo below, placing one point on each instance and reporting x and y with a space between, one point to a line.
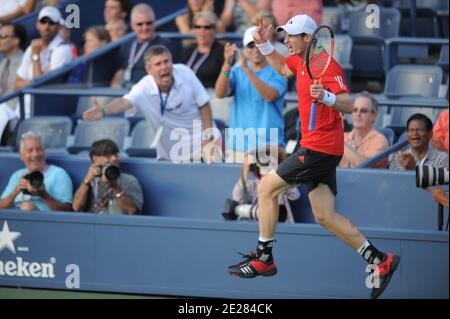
427 175
36 180
110 171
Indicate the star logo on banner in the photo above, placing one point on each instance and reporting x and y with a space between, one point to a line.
7 238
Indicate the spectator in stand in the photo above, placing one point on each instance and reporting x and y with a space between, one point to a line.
94 38
13 9
12 41
116 29
419 151
131 55
117 9
283 10
258 99
46 53
364 141
185 22
43 3
269 19
237 14
440 133
206 57
53 192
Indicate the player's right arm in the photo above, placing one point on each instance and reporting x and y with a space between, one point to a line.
276 60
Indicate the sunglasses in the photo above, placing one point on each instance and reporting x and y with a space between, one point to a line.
47 21
140 24
251 45
206 27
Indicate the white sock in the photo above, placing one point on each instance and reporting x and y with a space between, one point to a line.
265 239
361 249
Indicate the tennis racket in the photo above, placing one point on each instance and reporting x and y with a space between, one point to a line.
318 57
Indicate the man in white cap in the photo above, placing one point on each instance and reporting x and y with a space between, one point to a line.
46 53
314 163
258 99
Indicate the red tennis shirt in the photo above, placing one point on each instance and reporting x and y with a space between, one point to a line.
328 137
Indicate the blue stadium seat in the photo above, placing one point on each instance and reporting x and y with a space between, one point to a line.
54 131
412 80
116 129
443 58
142 138
332 17
388 133
368 43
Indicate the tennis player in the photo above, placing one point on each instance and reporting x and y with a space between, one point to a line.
314 164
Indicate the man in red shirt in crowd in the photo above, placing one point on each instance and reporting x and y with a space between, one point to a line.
314 164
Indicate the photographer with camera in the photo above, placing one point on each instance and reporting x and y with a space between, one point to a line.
244 201
38 186
106 189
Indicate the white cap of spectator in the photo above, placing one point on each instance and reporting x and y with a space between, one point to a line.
52 13
248 36
301 23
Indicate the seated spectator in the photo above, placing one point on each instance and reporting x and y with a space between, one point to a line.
185 22
283 10
258 99
268 19
131 55
419 150
12 41
116 29
106 189
52 191
173 101
94 38
46 53
13 9
117 10
237 14
364 141
43 3
206 57
244 202
440 132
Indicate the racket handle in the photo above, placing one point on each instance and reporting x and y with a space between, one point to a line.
312 116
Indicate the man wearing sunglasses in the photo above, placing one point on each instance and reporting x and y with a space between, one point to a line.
131 54
46 53
258 98
364 141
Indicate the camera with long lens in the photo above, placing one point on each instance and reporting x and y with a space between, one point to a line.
36 180
427 175
110 171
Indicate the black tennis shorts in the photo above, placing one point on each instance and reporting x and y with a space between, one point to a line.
310 168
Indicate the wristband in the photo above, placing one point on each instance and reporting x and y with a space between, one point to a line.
265 48
104 112
328 98
225 73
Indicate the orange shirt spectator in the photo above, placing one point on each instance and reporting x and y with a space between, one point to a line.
373 143
440 133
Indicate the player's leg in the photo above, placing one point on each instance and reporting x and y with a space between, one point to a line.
322 204
260 263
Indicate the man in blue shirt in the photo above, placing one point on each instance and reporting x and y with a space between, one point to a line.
258 98
55 193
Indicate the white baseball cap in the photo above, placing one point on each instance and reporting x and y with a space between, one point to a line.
301 23
248 36
52 13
